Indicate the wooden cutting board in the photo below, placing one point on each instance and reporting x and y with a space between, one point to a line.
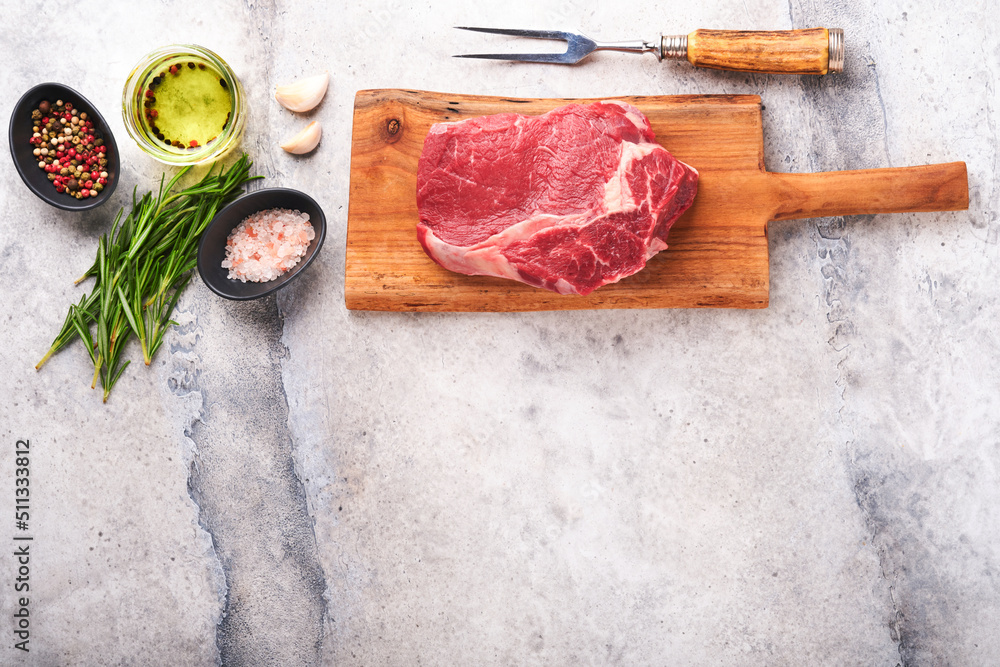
718 248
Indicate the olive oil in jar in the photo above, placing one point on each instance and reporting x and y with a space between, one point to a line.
187 105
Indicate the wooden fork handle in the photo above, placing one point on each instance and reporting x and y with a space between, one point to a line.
933 187
810 51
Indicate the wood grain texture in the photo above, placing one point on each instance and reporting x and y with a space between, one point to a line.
717 255
775 52
934 187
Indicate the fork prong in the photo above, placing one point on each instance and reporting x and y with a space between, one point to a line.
534 34
577 46
557 58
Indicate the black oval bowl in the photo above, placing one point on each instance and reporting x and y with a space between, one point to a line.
23 152
212 249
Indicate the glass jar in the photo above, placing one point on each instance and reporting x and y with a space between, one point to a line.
178 127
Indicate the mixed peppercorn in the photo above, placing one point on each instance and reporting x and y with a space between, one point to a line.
69 149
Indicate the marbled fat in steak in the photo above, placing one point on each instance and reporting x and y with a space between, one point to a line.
579 197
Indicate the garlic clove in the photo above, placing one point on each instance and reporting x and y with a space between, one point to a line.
306 140
304 94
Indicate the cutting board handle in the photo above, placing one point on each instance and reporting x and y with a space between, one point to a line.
933 187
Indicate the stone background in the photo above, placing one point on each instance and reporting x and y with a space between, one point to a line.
292 483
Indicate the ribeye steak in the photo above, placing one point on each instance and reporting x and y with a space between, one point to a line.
579 197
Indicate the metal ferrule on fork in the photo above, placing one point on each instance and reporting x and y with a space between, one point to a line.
673 46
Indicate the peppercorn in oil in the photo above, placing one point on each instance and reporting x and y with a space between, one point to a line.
187 105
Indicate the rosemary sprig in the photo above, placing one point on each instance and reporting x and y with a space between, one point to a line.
142 266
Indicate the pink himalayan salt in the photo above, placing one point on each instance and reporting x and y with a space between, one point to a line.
266 244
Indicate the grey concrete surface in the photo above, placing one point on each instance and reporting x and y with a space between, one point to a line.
292 483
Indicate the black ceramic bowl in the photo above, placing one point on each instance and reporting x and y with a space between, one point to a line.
212 250
23 152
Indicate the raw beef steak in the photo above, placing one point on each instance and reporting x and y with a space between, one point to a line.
579 197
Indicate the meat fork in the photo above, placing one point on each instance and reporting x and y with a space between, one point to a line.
809 51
